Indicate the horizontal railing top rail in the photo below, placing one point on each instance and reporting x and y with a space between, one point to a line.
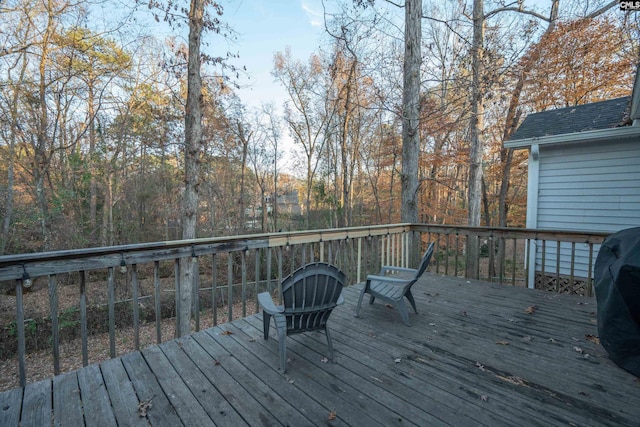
514 233
13 267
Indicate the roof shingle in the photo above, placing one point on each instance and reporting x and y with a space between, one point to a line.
597 115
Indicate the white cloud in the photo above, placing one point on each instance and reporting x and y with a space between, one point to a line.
315 16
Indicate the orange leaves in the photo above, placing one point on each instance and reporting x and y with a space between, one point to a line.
531 309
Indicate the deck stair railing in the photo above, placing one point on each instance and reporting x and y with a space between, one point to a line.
140 282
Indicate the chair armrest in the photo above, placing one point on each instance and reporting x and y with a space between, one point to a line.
340 300
267 304
387 279
386 268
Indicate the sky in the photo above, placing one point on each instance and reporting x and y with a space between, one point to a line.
265 27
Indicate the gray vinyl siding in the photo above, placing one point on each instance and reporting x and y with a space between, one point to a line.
586 187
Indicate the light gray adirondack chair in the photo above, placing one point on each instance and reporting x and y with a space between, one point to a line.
393 290
309 295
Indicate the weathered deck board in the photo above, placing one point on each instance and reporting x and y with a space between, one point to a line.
66 400
10 405
473 356
95 399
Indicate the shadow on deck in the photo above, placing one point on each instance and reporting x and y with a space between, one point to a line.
477 354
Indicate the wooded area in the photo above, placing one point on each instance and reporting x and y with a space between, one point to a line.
93 147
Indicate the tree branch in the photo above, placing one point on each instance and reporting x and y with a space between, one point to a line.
519 10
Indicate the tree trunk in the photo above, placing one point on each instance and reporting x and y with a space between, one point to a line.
192 147
93 192
476 144
411 116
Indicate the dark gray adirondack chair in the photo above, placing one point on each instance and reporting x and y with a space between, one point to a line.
309 295
393 290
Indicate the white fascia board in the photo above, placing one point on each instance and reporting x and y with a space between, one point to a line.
576 137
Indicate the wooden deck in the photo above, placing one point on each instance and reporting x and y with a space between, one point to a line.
477 354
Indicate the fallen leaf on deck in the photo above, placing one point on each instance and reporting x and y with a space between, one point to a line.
143 407
252 340
226 333
292 381
578 350
464 313
502 342
531 309
398 360
388 305
484 397
324 360
552 340
592 338
332 415
583 393
432 324
216 363
480 366
526 339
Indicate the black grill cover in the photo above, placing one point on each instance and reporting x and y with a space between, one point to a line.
617 283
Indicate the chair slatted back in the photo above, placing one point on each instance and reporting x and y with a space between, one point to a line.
426 258
309 295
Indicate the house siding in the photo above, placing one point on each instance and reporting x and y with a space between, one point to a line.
586 187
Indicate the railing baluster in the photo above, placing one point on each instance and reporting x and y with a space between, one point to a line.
589 272
359 266
256 290
195 272
477 263
214 288
176 278
269 262
558 266
112 313
446 257
279 279
136 308
20 330
157 300
243 255
83 317
513 266
53 308
573 260
437 254
230 286
543 274
490 267
457 251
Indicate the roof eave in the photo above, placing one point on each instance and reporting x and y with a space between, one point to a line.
576 137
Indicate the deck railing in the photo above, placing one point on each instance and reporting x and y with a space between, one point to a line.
138 283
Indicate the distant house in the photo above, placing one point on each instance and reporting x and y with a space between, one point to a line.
584 173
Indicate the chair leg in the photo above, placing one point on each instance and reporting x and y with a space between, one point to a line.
326 330
404 313
362 292
409 296
372 299
266 321
282 344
